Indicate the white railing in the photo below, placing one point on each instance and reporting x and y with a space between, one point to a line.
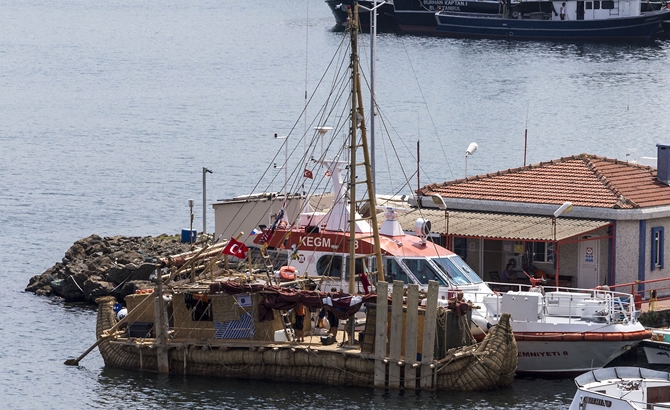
610 306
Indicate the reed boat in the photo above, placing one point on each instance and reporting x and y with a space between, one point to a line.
234 338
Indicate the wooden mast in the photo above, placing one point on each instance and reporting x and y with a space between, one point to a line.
358 122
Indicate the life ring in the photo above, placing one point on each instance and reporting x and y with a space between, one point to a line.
515 14
287 273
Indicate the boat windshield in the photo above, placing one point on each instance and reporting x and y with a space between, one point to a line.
423 271
458 271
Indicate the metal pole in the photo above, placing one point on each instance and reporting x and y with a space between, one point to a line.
373 45
466 166
191 202
373 38
204 199
553 223
285 164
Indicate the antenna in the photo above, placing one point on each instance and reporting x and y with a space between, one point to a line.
525 139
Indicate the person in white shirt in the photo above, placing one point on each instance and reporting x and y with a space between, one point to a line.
562 11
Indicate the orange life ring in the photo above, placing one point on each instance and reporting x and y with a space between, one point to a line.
287 273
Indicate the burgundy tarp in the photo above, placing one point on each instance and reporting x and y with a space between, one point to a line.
286 298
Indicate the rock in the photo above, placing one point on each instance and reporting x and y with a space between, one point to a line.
44 291
70 289
100 265
118 274
95 266
95 287
75 251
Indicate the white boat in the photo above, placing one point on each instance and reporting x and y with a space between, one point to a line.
622 388
657 348
559 331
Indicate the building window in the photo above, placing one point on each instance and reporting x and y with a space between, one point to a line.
657 248
542 252
461 247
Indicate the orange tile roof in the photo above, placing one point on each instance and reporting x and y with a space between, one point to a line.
585 180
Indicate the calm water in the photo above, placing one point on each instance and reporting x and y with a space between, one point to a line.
109 110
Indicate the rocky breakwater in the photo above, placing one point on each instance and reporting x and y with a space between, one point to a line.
115 266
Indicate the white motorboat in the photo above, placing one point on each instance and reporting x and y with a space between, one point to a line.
622 388
559 331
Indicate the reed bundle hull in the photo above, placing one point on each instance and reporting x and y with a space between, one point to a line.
488 365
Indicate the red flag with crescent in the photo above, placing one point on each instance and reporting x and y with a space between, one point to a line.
236 248
308 174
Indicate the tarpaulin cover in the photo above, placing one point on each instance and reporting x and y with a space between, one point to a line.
278 298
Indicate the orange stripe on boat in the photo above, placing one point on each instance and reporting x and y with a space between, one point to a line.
587 336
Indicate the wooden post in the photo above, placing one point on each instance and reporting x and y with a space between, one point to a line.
380 334
161 327
250 265
428 346
411 335
395 348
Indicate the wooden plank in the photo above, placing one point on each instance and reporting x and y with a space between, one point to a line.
395 337
411 335
380 334
428 347
163 361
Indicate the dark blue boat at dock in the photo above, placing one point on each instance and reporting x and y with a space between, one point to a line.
418 16
604 20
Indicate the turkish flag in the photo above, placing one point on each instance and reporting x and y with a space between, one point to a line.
308 174
236 248
366 283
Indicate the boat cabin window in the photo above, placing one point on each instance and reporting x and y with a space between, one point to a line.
607 4
423 271
458 271
329 265
394 271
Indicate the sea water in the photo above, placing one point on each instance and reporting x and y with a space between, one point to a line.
109 110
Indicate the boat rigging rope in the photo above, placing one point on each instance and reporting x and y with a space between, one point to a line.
439 140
